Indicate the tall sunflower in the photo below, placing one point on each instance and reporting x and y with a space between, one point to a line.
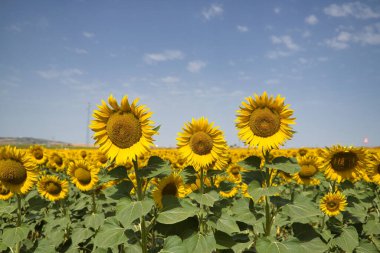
52 188
17 171
227 186
343 163
83 174
309 167
57 161
123 132
201 144
264 121
38 155
374 169
171 185
5 194
333 203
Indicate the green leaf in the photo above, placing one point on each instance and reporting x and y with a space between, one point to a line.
6 207
119 191
250 163
348 239
156 167
120 172
173 244
207 199
301 211
128 211
304 232
240 211
200 243
265 245
314 245
372 227
255 190
227 225
366 247
80 234
109 235
176 215
45 245
11 236
156 128
223 240
286 164
94 220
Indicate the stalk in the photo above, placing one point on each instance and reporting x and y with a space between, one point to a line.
140 197
19 221
93 202
201 220
268 215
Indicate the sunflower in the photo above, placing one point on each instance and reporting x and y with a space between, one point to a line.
83 175
264 121
226 186
5 194
52 188
374 169
343 163
56 161
38 155
171 185
201 144
17 170
309 167
123 132
235 172
333 203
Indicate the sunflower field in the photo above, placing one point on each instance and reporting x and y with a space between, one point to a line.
203 196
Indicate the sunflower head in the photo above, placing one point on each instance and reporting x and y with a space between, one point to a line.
17 170
202 145
83 174
333 203
52 188
171 185
123 132
374 169
343 163
309 167
57 161
38 154
264 121
226 186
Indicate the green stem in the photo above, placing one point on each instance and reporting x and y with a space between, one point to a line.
268 215
140 197
201 219
63 206
93 202
19 221
323 222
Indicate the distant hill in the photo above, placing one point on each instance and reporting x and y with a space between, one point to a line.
27 141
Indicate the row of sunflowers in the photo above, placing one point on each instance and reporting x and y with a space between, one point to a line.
126 196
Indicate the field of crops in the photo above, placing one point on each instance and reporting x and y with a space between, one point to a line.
202 196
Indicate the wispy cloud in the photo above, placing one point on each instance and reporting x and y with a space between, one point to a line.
14 28
214 10
311 20
354 9
170 79
277 10
64 73
285 40
369 35
80 51
242 28
167 55
88 34
196 66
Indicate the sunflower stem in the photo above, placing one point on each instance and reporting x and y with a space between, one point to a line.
268 214
19 221
323 222
93 202
201 220
140 197
63 206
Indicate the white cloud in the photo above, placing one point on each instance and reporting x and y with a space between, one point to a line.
170 79
285 40
88 35
311 20
306 34
167 55
196 66
277 10
369 35
80 51
213 11
354 9
64 73
242 28
277 54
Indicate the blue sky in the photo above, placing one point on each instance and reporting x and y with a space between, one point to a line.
188 59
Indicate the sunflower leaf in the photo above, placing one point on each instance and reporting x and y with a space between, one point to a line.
348 239
256 191
157 167
227 225
109 235
366 247
207 199
200 243
11 236
251 163
173 244
127 211
270 245
120 172
285 164
176 214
